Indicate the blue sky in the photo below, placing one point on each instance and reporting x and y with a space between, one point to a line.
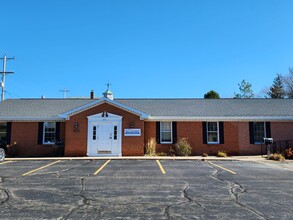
144 48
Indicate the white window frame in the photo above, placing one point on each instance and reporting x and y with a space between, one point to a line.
264 131
161 131
44 132
218 132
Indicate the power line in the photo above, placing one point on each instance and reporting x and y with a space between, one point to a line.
4 72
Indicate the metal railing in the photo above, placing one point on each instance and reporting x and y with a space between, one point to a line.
281 146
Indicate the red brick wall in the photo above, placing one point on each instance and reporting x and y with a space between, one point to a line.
236 136
193 132
245 148
282 131
279 131
25 136
76 142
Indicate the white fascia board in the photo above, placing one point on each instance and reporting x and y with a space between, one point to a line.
67 114
245 118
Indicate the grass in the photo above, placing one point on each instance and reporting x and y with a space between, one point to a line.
222 154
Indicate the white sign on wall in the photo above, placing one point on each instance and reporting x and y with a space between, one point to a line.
132 132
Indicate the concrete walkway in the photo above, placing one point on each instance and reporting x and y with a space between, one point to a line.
210 158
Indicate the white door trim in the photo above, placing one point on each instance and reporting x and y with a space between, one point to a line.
93 143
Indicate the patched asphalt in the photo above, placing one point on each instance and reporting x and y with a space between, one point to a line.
137 189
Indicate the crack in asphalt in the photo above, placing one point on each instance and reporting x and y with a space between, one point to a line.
189 200
6 196
57 173
167 211
84 201
185 192
78 206
236 190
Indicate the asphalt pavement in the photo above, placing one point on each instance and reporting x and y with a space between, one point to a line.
145 189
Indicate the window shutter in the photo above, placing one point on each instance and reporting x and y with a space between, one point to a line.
204 132
158 132
8 133
221 130
174 131
57 132
40 133
251 133
268 129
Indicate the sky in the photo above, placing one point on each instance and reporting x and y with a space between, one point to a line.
144 48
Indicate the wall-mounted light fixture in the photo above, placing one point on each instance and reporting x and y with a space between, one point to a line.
132 124
76 127
105 114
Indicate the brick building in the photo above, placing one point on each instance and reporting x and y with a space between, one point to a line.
121 127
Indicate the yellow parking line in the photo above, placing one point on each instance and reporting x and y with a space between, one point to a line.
35 170
161 167
6 162
223 168
95 173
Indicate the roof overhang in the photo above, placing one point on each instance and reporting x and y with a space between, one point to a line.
66 115
221 118
31 119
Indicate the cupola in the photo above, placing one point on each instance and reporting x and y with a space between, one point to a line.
108 94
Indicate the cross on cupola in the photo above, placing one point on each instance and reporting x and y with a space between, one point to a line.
108 94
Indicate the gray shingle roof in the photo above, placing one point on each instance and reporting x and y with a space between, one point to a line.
50 109
212 107
38 108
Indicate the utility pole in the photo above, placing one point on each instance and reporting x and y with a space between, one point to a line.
3 75
65 91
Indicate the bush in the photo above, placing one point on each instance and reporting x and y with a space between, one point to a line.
163 154
150 148
288 153
182 147
278 157
204 155
222 154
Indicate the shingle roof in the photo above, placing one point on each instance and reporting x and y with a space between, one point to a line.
26 109
51 109
212 107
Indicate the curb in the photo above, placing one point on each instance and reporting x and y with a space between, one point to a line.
141 158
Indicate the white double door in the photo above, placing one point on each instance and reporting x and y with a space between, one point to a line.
104 135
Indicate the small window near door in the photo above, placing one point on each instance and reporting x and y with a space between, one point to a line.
49 133
115 132
94 132
3 127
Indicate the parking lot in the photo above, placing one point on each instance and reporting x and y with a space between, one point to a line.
145 189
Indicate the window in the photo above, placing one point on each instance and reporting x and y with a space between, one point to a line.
115 132
259 132
94 132
213 132
166 133
49 133
3 131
